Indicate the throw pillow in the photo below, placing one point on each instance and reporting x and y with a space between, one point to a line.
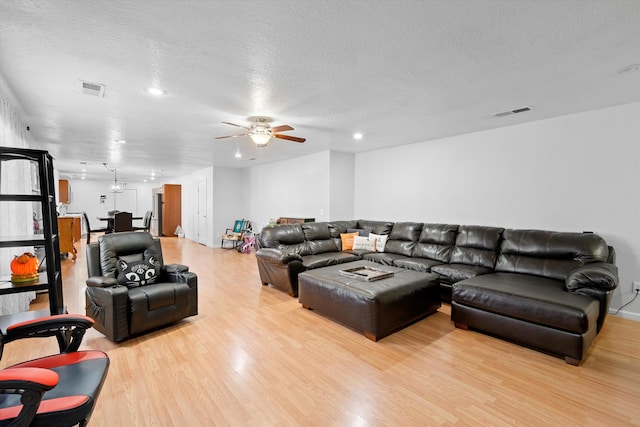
361 231
137 273
347 240
380 239
365 243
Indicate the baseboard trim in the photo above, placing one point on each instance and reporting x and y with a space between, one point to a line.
625 315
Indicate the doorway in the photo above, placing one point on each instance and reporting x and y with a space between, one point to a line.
202 212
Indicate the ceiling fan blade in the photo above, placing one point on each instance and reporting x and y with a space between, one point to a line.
230 136
281 128
288 138
233 124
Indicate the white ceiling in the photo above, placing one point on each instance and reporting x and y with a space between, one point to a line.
397 71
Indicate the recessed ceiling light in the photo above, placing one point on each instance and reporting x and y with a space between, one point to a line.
156 91
120 141
357 136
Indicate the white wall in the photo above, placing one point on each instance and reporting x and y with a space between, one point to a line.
85 196
569 173
230 200
341 189
16 218
290 188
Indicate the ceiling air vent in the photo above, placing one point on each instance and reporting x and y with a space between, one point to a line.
509 112
94 89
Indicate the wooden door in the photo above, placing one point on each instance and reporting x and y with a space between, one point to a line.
171 208
64 191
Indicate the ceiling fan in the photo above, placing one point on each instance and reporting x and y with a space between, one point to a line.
260 131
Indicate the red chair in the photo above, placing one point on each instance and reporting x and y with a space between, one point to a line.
58 390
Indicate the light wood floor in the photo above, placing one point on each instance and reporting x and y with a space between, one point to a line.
254 357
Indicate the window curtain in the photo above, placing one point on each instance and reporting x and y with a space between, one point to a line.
17 218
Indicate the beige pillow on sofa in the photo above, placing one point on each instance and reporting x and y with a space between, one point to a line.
360 242
380 239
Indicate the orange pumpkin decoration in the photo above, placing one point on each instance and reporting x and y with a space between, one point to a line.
24 268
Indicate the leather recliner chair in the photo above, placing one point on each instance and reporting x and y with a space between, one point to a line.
121 310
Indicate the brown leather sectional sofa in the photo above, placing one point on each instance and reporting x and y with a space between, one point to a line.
543 289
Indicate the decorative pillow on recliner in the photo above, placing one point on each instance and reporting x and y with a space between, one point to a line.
347 240
138 273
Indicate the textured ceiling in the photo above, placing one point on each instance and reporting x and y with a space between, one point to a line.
397 71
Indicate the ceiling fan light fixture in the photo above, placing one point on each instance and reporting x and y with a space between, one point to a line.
260 139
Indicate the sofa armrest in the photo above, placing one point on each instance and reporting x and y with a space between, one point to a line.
598 275
101 282
178 273
107 306
277 256
176 268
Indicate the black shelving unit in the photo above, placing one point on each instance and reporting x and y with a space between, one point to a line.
40 164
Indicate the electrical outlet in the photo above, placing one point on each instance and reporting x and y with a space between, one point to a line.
636 286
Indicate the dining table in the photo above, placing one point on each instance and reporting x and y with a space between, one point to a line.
110 220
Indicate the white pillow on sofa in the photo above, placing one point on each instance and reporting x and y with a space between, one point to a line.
360 242
380 239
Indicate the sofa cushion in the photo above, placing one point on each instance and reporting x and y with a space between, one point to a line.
315 231
273 236
376 227
318 238
533 299
114 246
385 258
337 227
436 242
418 264
452 273
549 253
403 238
322 246
326 259
476 245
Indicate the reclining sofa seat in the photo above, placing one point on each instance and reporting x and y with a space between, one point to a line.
289 249
550 291
474 253
120 312
400 244
434 247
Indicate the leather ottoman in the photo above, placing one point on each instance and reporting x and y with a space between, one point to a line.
378 307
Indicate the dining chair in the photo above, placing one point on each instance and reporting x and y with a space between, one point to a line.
122 221
91 230
146 222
